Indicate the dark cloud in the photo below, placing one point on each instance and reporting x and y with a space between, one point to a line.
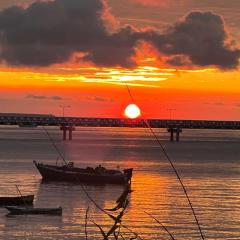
42 97
57 98
178 60
237 104
201 37
39 97
219 104
49 32
117 49
100 99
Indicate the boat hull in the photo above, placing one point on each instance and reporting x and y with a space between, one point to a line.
34 211
20 200
78 175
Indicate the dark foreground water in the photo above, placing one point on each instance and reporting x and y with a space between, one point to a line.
208 162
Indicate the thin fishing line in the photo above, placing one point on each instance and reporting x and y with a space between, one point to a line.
171 163
54 145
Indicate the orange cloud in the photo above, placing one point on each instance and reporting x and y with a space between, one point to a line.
152 2
158 3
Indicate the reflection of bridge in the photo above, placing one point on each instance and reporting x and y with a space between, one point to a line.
68 123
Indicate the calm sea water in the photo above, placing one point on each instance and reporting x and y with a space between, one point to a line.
208 162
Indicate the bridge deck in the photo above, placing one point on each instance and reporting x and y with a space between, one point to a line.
24 120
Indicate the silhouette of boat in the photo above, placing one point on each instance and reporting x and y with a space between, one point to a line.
30 210
69 173
17 200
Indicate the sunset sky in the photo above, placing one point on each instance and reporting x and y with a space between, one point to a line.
172 54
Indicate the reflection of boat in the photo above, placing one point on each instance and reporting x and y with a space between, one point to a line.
16 200
30 210
69 173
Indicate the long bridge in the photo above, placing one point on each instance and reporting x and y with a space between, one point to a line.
68 123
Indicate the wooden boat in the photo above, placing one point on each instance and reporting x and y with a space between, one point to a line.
30 210
69 173
16 200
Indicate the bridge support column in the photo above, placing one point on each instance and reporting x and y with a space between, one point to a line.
64 134
172 136
70 130
175 130
177 135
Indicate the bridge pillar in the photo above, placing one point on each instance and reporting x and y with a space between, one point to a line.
70 130
175 130
64 134
172 136
70 134
177 135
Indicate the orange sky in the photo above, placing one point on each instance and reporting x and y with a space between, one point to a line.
194 92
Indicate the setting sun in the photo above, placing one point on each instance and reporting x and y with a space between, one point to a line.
132 111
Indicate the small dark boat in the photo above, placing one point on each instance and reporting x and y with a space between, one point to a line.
31 210
69 173
18 200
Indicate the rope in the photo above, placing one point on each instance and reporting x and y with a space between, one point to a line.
24 202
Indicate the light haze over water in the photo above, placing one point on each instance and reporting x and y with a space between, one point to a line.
207 160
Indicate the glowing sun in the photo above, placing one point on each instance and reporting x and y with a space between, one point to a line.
132 111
